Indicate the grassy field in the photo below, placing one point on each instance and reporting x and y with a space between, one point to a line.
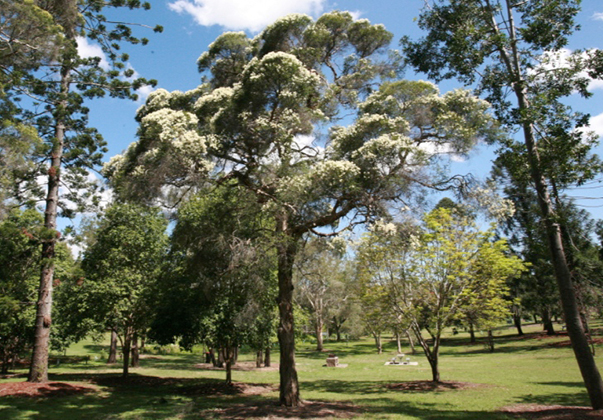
529 370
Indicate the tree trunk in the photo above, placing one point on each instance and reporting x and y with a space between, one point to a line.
471 333
547 322
286 249
490 341
411 342
377 338
126 348
435 371
586 362
38 371
267 357
258 359
319 343
227 354
517 322
398 342
113 348
135 351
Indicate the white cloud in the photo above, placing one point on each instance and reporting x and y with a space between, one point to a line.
596 124
244 14
598 16
87 50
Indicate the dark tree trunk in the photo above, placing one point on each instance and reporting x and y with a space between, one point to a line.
517 322
471 333
287 249
113 348
126 348
267 357
135 351
212 357
547 322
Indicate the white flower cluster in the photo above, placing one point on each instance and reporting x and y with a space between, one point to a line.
384 228
177 128
497 207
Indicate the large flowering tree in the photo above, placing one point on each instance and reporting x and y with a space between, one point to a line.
306 116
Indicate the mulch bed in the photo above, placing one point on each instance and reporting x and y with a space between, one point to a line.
552 412
47 389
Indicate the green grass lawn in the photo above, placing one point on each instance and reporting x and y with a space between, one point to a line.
530 370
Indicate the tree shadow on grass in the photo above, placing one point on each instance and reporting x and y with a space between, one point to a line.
569 398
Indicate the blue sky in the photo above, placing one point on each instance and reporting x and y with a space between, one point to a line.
191 25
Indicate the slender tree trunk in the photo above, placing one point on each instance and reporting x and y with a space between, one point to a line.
490 341
471 333
517 322
287 249
135 351
38 371
227 355
267 357
377 337
258 358
113 348
547 322
126 348
398 342
319 326
411 342
586 362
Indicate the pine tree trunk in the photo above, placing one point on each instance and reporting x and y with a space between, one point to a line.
287 249
113 348
38 371
586 362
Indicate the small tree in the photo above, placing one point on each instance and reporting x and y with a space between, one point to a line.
434 273
220 287
121 267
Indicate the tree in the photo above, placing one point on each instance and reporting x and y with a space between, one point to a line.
485 39
48 97
317 280
261 121
220 286
439 272
122 266
21 234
